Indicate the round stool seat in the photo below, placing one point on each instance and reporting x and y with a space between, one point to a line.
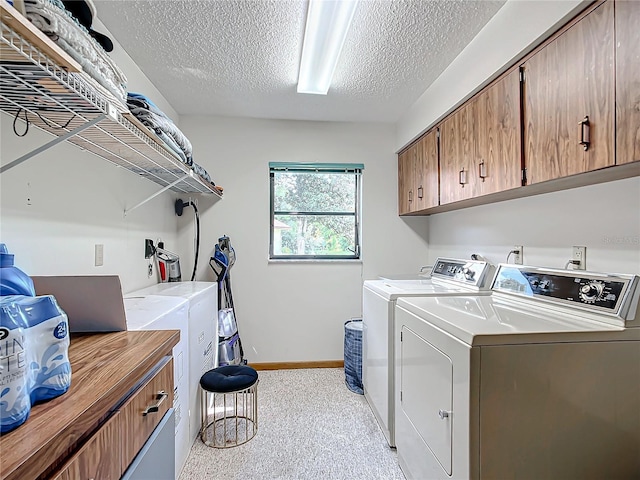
230 378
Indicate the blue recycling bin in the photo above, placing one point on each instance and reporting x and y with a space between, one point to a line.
353 355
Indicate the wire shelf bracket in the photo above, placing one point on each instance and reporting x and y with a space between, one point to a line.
151 197
50 144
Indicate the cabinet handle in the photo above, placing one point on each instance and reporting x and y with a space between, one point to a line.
420 191
463 177
443 414
160 397
482 170
585 128
410 195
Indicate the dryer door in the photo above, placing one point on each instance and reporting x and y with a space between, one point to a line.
426 397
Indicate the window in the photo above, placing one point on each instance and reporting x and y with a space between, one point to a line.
315 210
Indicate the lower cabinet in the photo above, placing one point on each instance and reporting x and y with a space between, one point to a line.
112 449
155 460
97 459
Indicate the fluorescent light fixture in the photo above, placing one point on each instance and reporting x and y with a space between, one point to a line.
327 24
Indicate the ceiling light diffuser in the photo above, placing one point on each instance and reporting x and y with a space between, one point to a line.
327 24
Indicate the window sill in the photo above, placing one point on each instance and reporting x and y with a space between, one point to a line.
315 260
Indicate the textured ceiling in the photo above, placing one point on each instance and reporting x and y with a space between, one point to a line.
241 57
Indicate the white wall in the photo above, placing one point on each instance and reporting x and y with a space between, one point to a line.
605 218
57 205
296 311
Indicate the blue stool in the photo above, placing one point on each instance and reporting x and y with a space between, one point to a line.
229 406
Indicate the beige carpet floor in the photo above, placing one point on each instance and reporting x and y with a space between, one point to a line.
310 427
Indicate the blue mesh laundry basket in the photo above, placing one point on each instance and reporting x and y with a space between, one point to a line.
353 355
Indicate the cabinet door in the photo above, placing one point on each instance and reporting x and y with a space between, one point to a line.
99 458
627 13
456 154
498 163
426 172
405 181
567 81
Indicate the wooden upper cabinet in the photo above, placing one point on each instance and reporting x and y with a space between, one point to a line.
405 181
457 154
426 172
498 157
568 80
627 21
418 175
480 143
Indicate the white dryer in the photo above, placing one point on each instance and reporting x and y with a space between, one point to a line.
168 313
448 277
202 335
539 380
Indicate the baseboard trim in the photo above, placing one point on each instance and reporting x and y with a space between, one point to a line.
294 365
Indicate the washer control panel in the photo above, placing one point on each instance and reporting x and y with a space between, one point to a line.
469 272
596 291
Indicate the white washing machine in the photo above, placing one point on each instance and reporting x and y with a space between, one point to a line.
168 313
201 336
448 277
539 380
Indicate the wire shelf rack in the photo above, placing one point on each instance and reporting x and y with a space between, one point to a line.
40 82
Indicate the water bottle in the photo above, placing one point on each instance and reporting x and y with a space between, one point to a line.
15 399
13 281
48 341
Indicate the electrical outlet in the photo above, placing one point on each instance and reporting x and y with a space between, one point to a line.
99 254
517 255
148 248
580 258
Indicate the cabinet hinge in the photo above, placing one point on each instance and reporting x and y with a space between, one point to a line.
400 336
524 176
522 75
400 395
437 133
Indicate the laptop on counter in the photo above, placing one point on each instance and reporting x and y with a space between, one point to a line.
93 303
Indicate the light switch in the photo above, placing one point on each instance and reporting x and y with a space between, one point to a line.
99 254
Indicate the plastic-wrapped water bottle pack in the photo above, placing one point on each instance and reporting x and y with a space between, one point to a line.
34 345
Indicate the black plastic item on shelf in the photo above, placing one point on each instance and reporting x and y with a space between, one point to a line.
83 12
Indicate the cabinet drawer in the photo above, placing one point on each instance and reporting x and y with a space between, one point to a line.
136 426
97 459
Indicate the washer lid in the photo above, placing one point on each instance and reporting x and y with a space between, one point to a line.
393 289
143 311
488 320
177 289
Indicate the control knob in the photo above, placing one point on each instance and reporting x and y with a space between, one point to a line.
590 292
468 273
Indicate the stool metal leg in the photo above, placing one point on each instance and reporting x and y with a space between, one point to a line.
222 415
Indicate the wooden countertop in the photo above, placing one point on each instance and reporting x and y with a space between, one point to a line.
104 368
